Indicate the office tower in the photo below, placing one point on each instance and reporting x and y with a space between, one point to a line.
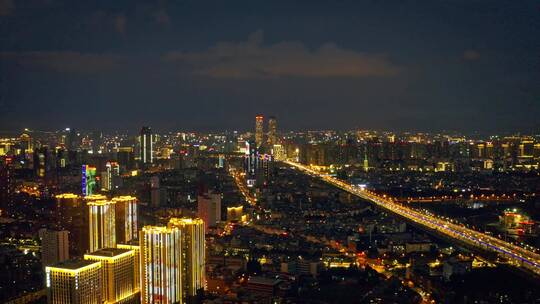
193 256
161 265
88 180
146 142
54 246
134 245
158 195
259 130
110 178
272 131
73 217
117 270
209 208
125 218
101 225
251 162
74 282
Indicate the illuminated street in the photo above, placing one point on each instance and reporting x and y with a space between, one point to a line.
518 256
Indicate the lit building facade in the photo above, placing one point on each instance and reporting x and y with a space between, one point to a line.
259 130
193 256
118 273
161 265
126 218
101 224
74 282
146 142
136 263
88 180
251 162
272 131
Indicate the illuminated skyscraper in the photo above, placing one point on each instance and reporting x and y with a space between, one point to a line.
101 224
117 269
259 130
193 256
125 218
272 131
161 265
110 177
88 180
74 282
54 246
251 162
146 142
136 264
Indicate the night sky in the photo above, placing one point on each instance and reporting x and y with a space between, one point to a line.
464 65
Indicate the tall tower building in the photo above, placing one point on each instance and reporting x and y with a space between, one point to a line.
251 162
74 282
146 142
88 180
117 269
73 216
259 130
272 131
125 218
101 224
193 256
54 246
161 265
209 208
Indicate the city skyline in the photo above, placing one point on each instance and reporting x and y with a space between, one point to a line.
431 66
192 152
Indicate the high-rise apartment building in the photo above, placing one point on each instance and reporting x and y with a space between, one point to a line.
73 217
193 256
74 282
173 261
259 130
161 265
54 246
146 146
101 224
272 131
126 218
209 208
118 277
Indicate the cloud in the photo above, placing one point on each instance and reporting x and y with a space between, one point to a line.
120 23
6 7
471 55
252 59
69 62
